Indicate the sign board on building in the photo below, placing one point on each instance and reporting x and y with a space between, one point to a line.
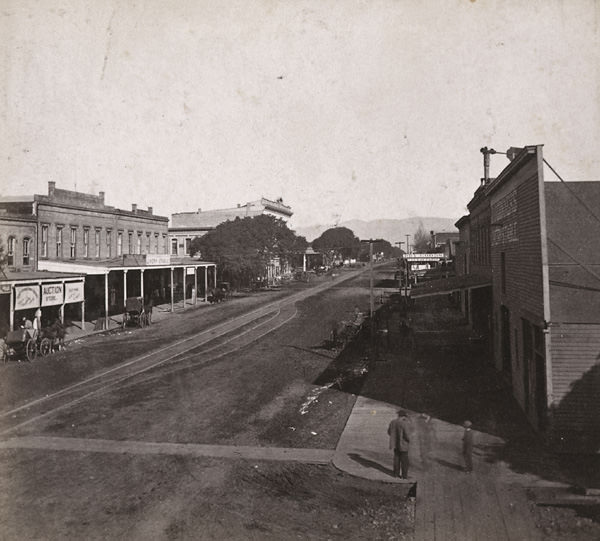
52 294
73 292
424 257
190 270
158 259
27 297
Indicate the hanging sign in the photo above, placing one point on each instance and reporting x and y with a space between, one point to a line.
190 271
52 294
27 297
73 292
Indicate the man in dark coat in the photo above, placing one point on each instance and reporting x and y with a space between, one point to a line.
399 442
468 446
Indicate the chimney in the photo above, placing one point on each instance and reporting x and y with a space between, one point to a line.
199 210
133 207
150 210
486 163
51 187
101 195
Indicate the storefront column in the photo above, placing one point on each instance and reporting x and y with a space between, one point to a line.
124 287
142 284
184 269
11 317
195 285
82 310
172 306
205 283
215 267
304 262
106 301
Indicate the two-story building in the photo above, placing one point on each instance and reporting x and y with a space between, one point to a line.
121 253
536 243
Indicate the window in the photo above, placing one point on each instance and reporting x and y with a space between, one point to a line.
156 243
10 254
174 246
26 247
139 244
44 241
109 243
97 243
86 242
188 246
120 243
73 251
165 245
130 242
147 243
59 239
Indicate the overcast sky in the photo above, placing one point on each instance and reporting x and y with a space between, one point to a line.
346 109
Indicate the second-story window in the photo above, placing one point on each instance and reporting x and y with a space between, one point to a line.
139 244
86 242
130 243
156 243
73 252
147 243
165 245
173 246
97 243
59 240
120 243
26 250
109 242
44 239
10 252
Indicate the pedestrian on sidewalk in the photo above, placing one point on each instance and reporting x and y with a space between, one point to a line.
399 442
467 447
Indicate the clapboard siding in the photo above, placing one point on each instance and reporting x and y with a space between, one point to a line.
575 350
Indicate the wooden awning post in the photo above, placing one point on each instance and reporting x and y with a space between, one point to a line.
205 283
172 304
106 300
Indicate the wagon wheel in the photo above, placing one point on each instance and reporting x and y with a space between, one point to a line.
45 347
31 349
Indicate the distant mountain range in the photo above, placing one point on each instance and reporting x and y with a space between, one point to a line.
390 230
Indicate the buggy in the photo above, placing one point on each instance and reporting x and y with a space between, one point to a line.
136 313
26 344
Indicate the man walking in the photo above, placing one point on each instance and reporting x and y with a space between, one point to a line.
468 446
399 442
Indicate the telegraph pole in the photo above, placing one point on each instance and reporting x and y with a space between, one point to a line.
407 265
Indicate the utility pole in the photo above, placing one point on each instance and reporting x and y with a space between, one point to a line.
371 301
407 266
399 243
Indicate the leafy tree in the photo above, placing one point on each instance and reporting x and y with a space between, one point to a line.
242 248
379 246
421 240
338 241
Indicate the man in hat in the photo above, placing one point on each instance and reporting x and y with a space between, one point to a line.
467 447
399 442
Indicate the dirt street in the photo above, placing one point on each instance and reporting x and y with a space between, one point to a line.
263 395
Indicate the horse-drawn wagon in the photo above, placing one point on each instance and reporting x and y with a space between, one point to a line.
136 313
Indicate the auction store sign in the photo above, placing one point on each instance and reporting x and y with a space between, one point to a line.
52 294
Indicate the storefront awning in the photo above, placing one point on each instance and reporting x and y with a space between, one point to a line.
446 286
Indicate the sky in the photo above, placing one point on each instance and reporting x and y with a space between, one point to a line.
346 109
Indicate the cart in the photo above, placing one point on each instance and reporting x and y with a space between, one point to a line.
135 313
26 344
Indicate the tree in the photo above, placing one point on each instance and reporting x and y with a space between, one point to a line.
421 240
243 248
338 241
380 246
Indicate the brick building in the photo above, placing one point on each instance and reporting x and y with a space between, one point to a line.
121 252
533 246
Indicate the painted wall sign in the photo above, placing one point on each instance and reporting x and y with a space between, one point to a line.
158 259
27 297
73 292
52 294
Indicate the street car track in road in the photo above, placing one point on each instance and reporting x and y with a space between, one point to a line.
173 353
